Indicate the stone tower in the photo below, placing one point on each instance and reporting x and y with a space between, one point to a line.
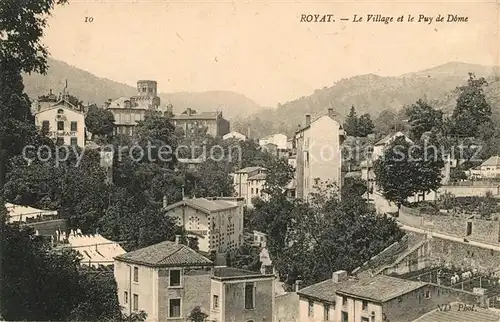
147 91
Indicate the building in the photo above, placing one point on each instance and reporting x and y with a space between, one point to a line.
218 224
489 169
278 139
234 135
319 159
371 299
26 214
256 185
62 121
213 122
165 280
127 111
241 295
240 180
382 144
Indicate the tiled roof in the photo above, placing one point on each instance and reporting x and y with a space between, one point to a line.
454 315
165 254
249 169
386 139
492 161
234 273
336 118
325 291
260 176
204 204
380 288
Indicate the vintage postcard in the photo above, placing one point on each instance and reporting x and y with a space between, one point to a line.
250 161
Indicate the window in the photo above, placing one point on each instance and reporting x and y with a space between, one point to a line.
327 312
365 305
344 317
74 126
73 141
125 296
310 310
249 296
365 319
427 294
60 126
175 278
45 126
174 308
344 300
216 302
257 191
60 141
136 302
252 191
60 111
136 274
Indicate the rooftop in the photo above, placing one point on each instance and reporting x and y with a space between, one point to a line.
325 291
492 161
389 137
197 116
336 118
454 315
165 254
380 288
235 273
204 205
260 176
249 169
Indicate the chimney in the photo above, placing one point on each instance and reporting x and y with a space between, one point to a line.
177 239
308 119
188 111
331 113
297 285
339 276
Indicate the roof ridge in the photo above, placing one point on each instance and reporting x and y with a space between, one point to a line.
170 255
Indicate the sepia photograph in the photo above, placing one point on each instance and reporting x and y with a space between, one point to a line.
250 161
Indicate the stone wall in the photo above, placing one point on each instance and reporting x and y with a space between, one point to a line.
487 231
476 190
48 228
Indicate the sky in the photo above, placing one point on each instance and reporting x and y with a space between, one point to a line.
260 48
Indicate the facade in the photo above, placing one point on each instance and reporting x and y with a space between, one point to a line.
318 157
63 122
165 280
240 295
278 139
127 111
255 188
213 122
218 224
234 135
240 180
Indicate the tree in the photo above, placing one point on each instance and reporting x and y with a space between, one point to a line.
389 121
278 175
351 123
20 51
365 125
471 109
405 169
423 118
197 315
211 179
99 122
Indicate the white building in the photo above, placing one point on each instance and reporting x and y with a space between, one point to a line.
63 122
280 140
489 169
234 135
17 213
255 188
240 180
382 144
217 223
318 158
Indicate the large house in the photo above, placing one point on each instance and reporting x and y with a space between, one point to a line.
165 280
278 139
489 169
61 121
372 299
214 123
380 146
240 181
318 156
168 280
217 223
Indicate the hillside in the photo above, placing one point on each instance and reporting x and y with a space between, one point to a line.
372 94
92 89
